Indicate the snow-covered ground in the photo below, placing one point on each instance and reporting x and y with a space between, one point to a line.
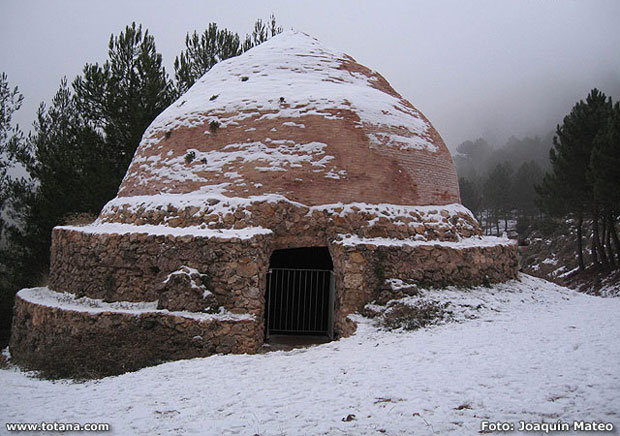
525 350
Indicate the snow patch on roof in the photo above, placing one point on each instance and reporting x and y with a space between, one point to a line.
271 155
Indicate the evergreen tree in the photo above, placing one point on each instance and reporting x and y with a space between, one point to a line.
261 33
11 138
122 97
471 197
472 158
568 187
68 166
605 160
605 177
497 193
11 142
202 52
528 175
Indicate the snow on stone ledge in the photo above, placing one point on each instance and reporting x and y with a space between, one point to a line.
210 199
63 300
474 241
395 210
121 229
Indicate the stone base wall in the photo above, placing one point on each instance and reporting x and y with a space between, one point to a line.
75 343
136 266
201 274
363 271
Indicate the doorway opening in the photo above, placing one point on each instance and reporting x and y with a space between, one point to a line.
299 298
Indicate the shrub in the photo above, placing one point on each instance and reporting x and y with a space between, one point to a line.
190 156
214 125
244 78
486 281
412 317
213 97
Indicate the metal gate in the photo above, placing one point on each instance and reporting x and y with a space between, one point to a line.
300 302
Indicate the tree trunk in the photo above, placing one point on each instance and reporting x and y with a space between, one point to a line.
596 240
614 236
579 243
607 240
593 247
487 223
497 225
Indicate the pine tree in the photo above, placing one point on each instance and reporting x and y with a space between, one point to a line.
471 197
202 52
69 171
123 96
261 33
11 143
604 174
11 138
214 45
528 175
497 193
568 187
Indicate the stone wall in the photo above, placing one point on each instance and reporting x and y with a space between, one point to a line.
135 266
200 274
142 267
364 270
78 343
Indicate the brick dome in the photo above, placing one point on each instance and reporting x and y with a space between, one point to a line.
294 118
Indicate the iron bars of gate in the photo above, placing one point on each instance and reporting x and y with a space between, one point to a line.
299 302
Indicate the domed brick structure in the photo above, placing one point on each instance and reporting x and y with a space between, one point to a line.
288 188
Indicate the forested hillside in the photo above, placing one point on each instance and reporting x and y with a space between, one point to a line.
559 195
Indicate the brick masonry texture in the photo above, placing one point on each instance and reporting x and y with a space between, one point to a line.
373 175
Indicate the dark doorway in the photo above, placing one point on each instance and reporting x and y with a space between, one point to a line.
300 293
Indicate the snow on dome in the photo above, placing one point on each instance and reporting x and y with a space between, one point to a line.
294 118
319 83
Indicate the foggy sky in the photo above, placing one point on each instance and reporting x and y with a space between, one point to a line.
476 68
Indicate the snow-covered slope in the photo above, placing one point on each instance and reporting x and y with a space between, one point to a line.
533 351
